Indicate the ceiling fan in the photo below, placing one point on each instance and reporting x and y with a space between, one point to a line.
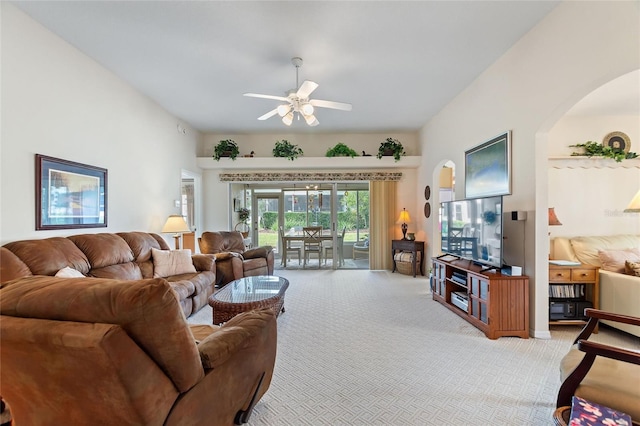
298 102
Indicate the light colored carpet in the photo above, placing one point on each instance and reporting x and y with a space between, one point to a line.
373 348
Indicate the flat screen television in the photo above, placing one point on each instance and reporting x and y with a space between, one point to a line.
472 229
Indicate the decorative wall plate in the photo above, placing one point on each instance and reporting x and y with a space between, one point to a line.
427 192
617 140
427 210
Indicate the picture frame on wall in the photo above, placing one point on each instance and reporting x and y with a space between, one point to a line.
487 168
69 195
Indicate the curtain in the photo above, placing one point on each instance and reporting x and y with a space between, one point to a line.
383 211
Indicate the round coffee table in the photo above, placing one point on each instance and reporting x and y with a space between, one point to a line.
246 294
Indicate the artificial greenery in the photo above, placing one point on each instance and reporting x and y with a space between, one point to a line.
284 148
489 217
591 148
226 148
393 146
341 150
243 214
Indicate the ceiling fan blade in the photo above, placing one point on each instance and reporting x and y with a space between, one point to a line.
269 114
330 104
257 95
306 89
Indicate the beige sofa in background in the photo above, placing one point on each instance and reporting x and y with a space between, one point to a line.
619 292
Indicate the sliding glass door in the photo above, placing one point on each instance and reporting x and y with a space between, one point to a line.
341 209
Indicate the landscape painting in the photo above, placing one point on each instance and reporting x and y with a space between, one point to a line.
488 168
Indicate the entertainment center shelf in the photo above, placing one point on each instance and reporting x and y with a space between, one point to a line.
495 303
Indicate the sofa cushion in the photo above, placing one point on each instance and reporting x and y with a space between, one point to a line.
121 271
11 267
632 268
586 248
141 244
103 249
67 272
167 263
613 260
148 310
49 255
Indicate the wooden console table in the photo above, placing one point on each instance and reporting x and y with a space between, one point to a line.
407 245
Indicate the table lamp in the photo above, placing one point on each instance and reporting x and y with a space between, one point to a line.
175 224
553 221
404 218
634 205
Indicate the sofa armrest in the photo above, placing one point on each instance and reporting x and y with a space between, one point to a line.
221 257
258 252
235 335
204 262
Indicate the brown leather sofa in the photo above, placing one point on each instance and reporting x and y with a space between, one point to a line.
122 256
95 351
232 260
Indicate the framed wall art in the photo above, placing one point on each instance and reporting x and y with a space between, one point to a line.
69 195
617 140
487 168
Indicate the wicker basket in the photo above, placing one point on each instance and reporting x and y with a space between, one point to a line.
404 263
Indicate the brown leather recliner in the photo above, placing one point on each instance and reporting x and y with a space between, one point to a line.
232 260
90 351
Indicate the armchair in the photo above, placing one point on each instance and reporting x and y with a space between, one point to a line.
233 261
104 351
605 374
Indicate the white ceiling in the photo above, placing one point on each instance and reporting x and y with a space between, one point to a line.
397 62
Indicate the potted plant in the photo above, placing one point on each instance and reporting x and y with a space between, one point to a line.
286 149
226 148
243 215
341 150
390 147
591 148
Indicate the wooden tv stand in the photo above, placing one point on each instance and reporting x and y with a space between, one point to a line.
498 304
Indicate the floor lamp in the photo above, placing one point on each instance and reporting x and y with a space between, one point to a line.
175 224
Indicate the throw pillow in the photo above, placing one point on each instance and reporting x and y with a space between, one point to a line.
613 260
632 268
167 263
68 272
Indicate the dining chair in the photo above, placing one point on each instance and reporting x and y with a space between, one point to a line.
289 246
312 243
328 248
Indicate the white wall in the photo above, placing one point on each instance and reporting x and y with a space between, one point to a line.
590 201
567 55
58 102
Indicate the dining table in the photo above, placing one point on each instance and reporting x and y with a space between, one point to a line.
295 235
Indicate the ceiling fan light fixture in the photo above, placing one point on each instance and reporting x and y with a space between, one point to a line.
283 110
311 120
307 109
288 119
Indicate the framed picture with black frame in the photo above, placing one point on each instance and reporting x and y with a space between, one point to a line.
487 168
69 195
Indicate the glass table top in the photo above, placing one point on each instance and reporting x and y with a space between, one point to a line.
252 289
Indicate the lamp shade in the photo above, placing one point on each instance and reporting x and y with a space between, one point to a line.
175 224
288 119
283 110
553 219
634 205
404 217
446 177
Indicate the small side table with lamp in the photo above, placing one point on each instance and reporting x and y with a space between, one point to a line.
175 225
407 245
